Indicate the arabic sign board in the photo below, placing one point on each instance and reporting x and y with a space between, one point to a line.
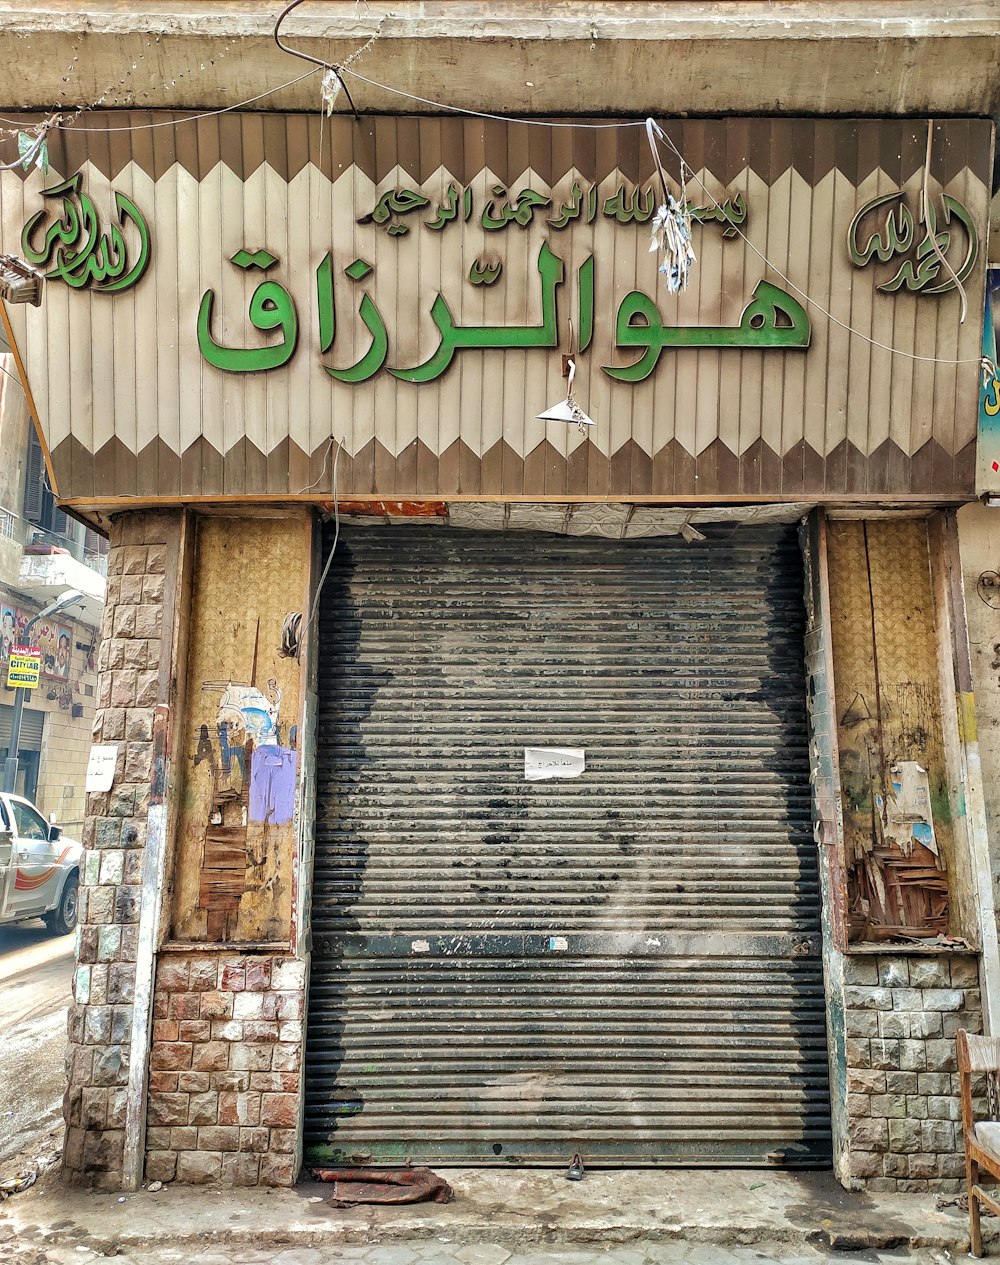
416 297
24 666
54 640
988 474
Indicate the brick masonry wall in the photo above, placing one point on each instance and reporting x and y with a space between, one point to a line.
225 1073
129 688
904 1119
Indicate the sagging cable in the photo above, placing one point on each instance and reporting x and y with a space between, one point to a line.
926 217
671 228
333 80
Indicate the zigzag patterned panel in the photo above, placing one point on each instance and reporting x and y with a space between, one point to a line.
412 214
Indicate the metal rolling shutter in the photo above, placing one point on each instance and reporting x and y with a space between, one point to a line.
32 725
626 964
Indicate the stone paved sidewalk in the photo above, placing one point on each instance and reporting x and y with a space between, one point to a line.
498 1217
444 1253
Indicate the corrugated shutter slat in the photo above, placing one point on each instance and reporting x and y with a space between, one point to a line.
626 963
32 723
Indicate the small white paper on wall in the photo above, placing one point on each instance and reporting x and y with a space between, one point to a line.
101 766
545 762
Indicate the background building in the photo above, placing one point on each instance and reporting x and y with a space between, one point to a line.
44 552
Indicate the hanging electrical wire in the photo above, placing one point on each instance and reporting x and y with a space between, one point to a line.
32 146
188 118
896 351
314 608
333 79
671 226
927 217
619 124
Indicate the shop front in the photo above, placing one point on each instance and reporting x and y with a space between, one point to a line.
540 698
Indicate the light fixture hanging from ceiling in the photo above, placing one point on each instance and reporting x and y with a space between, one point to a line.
20 283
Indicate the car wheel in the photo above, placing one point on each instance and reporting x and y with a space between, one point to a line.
63 918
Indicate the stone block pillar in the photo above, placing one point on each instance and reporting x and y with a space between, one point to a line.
186 1028
111 991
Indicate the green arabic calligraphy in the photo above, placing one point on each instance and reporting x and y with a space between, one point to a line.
898 236
454 337
772 319
629 204
636 206
73 248
499 211
395 202
448 210
574 208
731 213
586 282
485 273
374 358
271 308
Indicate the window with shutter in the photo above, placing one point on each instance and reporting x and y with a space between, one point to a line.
34 488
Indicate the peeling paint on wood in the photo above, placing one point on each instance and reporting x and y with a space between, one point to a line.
891 743
235 850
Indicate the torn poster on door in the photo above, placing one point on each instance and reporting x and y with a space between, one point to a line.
545 762
906 813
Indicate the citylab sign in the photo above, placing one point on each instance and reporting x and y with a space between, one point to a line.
24 668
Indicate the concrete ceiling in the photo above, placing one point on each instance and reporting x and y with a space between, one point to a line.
915 57
516 55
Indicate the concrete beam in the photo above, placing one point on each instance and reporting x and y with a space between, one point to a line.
517 56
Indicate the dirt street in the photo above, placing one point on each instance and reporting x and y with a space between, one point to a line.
36 971
486 1253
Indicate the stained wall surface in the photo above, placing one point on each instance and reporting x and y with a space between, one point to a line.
979 537
240 755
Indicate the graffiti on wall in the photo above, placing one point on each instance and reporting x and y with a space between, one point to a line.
252 764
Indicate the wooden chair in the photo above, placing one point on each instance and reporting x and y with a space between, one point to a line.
979 1056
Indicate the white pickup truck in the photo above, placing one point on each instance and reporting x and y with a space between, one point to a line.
39 868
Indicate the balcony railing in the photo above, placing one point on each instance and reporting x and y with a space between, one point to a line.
96 561
8 525
55 540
